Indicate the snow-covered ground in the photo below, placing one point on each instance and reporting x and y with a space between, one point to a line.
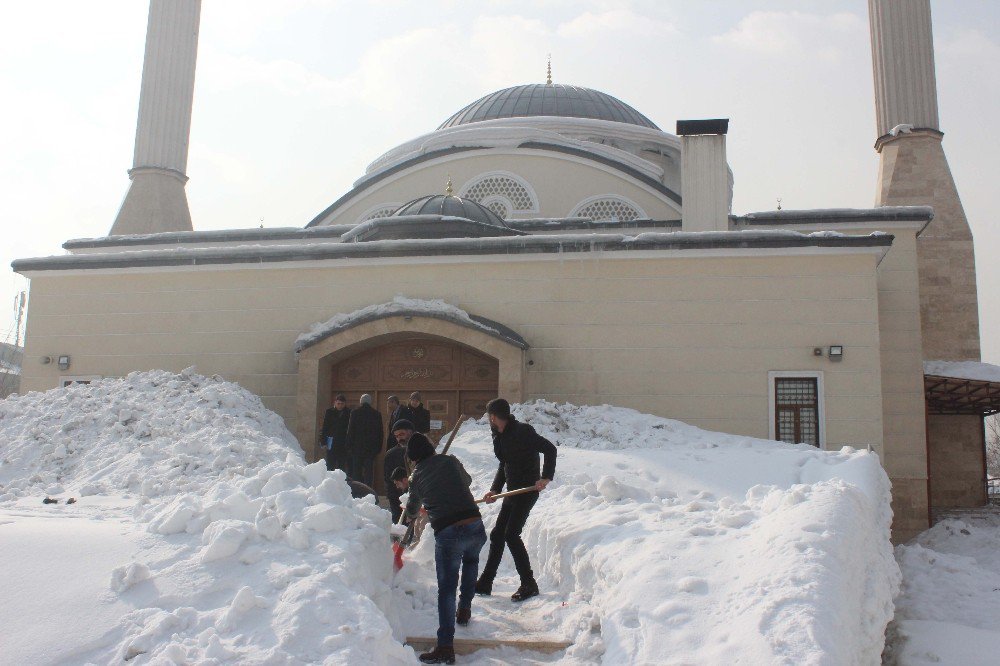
201 536
948 610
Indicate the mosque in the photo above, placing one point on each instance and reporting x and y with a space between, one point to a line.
551 241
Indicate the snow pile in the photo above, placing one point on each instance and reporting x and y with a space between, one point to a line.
985 372
949 603
150 433
662 543
398 305
240 552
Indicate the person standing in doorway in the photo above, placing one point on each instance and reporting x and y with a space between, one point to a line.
417 414
395 458
517 446
441 484
364 440
334 432
393 408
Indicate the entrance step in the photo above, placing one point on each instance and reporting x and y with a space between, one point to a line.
470 645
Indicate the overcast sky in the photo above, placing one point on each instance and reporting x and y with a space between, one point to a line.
294 98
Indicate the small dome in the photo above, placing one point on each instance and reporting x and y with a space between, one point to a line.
440 204
548 99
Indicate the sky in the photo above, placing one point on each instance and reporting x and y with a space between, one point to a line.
294 99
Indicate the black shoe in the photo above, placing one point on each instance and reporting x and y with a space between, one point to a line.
439 655
463 616
484 587
526 591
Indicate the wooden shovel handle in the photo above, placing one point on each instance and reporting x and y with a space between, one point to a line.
511 493
451 438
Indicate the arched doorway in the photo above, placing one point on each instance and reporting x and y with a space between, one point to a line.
452 378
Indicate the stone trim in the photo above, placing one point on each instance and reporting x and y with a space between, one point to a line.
836 216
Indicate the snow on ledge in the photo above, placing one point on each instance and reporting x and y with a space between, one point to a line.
402 306
975 370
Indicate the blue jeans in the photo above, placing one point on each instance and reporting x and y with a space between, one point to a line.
456 548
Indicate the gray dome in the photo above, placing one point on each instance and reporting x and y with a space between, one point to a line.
549 99
440 204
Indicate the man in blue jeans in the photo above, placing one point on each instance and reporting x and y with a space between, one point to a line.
441 484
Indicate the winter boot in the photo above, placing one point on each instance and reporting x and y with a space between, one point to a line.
484 586
463 616
528 589
439 655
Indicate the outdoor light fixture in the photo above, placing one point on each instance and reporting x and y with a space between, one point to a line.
64 362
46 360
817 351
836 352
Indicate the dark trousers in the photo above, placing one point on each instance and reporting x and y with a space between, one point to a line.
456 556
394 505
513 514
334 459
361 469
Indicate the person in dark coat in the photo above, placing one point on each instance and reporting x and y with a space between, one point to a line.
395 458
441 484
394 409
517 446
364 440
417 414
334 432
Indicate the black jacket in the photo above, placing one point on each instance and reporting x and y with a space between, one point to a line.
441 484
518 448
418 416
394 457
335 425
364 432
390 440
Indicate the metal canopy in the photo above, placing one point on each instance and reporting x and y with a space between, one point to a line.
956 395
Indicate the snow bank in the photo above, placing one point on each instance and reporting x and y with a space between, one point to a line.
662 543
947 609
246 554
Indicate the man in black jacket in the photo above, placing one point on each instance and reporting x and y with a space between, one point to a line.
395 458
441 484
417 414
334 431
394 409
517 447
364 440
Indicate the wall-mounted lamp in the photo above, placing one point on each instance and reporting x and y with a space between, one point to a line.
817 351
63 362
836 352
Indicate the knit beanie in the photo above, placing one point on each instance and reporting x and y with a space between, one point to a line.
402 424
419 447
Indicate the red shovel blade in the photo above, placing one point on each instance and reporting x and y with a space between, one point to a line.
397 556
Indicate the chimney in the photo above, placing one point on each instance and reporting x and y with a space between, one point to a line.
704 174
156 200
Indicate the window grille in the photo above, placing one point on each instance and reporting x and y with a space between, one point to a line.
498 205
382 211
609 209
497 187
796 410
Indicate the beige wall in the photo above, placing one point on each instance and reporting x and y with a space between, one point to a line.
560 182
688 338
956 446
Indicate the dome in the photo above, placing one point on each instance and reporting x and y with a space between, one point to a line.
440 204
548 99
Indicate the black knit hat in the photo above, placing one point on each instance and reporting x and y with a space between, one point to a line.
402 424
419 447
498 407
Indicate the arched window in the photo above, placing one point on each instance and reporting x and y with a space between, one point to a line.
382 210
608 207
506 194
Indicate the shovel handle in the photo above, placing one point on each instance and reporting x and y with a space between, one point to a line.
511 493
451 438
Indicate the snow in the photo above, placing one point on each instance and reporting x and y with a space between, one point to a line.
975 370
902 128
398 305
948 610
200 535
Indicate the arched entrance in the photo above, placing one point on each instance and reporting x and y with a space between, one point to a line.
452 379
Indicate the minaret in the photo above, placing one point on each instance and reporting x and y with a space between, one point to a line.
913 170
156 200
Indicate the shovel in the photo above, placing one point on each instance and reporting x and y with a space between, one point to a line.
511 493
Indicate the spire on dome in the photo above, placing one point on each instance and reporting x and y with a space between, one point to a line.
548 72
448 189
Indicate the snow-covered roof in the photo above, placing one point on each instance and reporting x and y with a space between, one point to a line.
400 306
974 370
836 215
387 249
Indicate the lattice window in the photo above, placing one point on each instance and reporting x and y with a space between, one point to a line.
796 410
499 205
384 210
498 187
617 210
